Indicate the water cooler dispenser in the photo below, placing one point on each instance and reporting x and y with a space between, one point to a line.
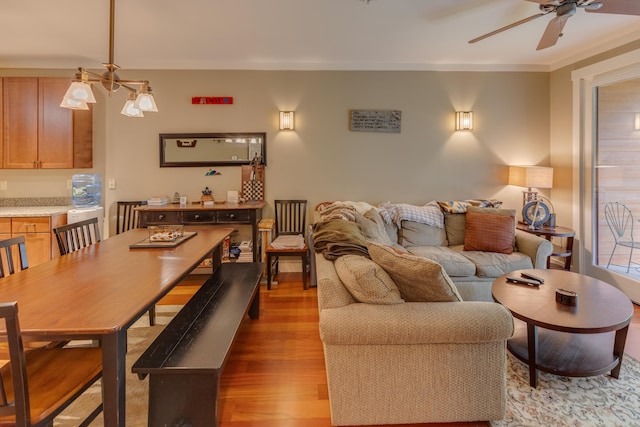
86 195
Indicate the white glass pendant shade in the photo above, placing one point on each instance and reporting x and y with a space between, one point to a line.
80 91
146 102
130 109
73 104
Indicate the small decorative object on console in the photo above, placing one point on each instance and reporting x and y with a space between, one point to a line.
566 297
207 198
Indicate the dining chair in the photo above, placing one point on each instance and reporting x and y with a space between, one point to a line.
78 235
12 247
620 221
289 236
127 215
127 218
41 383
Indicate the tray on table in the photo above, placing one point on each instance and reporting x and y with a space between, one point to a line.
146 243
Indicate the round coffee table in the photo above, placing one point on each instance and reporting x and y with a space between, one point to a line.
578 341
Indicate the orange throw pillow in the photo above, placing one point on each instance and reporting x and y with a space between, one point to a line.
489 233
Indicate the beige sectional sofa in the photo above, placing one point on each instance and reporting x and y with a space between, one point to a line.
392 357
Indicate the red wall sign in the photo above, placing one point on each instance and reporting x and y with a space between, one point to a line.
212 100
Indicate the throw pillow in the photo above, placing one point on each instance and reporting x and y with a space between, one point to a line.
418 279
490 230
367 281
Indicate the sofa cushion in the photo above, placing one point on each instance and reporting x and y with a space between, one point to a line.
493 264
373 227
417 278
454 225
491 232
452 261
413 233
367 281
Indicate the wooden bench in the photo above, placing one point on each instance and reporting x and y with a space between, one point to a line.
186 360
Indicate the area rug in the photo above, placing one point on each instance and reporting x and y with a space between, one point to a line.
558 401
139 336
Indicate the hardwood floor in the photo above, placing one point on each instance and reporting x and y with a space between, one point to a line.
275 375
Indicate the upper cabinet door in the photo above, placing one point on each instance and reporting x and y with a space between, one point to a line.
20 111
38 133
55 125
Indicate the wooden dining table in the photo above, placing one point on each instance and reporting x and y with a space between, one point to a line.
98 292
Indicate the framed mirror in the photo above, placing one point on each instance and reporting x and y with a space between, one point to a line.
212 149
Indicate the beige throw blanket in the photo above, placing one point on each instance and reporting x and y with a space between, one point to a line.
338 237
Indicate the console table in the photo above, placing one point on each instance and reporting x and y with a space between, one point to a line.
565 251
196 214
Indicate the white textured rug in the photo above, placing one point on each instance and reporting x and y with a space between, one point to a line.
599 401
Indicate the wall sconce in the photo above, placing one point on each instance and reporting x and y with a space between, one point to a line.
636 122
287 120
464 120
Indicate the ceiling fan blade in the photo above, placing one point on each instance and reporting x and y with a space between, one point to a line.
553 32
499 30
618 7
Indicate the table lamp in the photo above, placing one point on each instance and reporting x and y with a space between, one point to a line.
531 177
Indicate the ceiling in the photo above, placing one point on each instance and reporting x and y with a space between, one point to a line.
298 35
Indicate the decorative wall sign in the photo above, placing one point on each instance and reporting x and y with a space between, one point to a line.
212 100
376 121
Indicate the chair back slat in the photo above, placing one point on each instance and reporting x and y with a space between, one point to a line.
72 237
12 247
127 215
20 405
290 216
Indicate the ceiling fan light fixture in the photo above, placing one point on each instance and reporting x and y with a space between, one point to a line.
130 109
80 93
145 100
74 104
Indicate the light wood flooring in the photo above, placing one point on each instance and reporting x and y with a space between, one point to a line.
275 375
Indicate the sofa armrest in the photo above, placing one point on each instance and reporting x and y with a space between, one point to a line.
535 247
416 323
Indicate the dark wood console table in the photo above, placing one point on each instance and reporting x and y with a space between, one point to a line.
195 214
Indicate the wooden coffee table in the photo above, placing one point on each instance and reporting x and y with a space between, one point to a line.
576 341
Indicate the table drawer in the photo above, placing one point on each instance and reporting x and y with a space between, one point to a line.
170 217
234 216
205 217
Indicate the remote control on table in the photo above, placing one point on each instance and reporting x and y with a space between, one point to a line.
532 277
523 281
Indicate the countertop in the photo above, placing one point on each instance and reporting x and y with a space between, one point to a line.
20 211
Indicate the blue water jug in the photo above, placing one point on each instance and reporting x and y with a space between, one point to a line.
86 190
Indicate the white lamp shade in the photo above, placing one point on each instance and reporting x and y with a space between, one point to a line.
73 104
130 109
531 176
287 120
80 91
146 102
464 120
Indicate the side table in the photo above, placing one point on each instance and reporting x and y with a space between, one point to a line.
548 233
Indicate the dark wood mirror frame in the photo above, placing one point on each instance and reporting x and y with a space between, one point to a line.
212 149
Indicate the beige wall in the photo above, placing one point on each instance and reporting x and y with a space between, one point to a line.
322 160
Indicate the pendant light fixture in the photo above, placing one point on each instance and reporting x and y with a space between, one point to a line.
79 94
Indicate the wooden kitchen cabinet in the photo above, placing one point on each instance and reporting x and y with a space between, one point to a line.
37 132
38 234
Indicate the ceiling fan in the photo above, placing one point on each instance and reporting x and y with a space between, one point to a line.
565 9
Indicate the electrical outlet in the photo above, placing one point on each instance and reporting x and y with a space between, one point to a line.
3 185
112 184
